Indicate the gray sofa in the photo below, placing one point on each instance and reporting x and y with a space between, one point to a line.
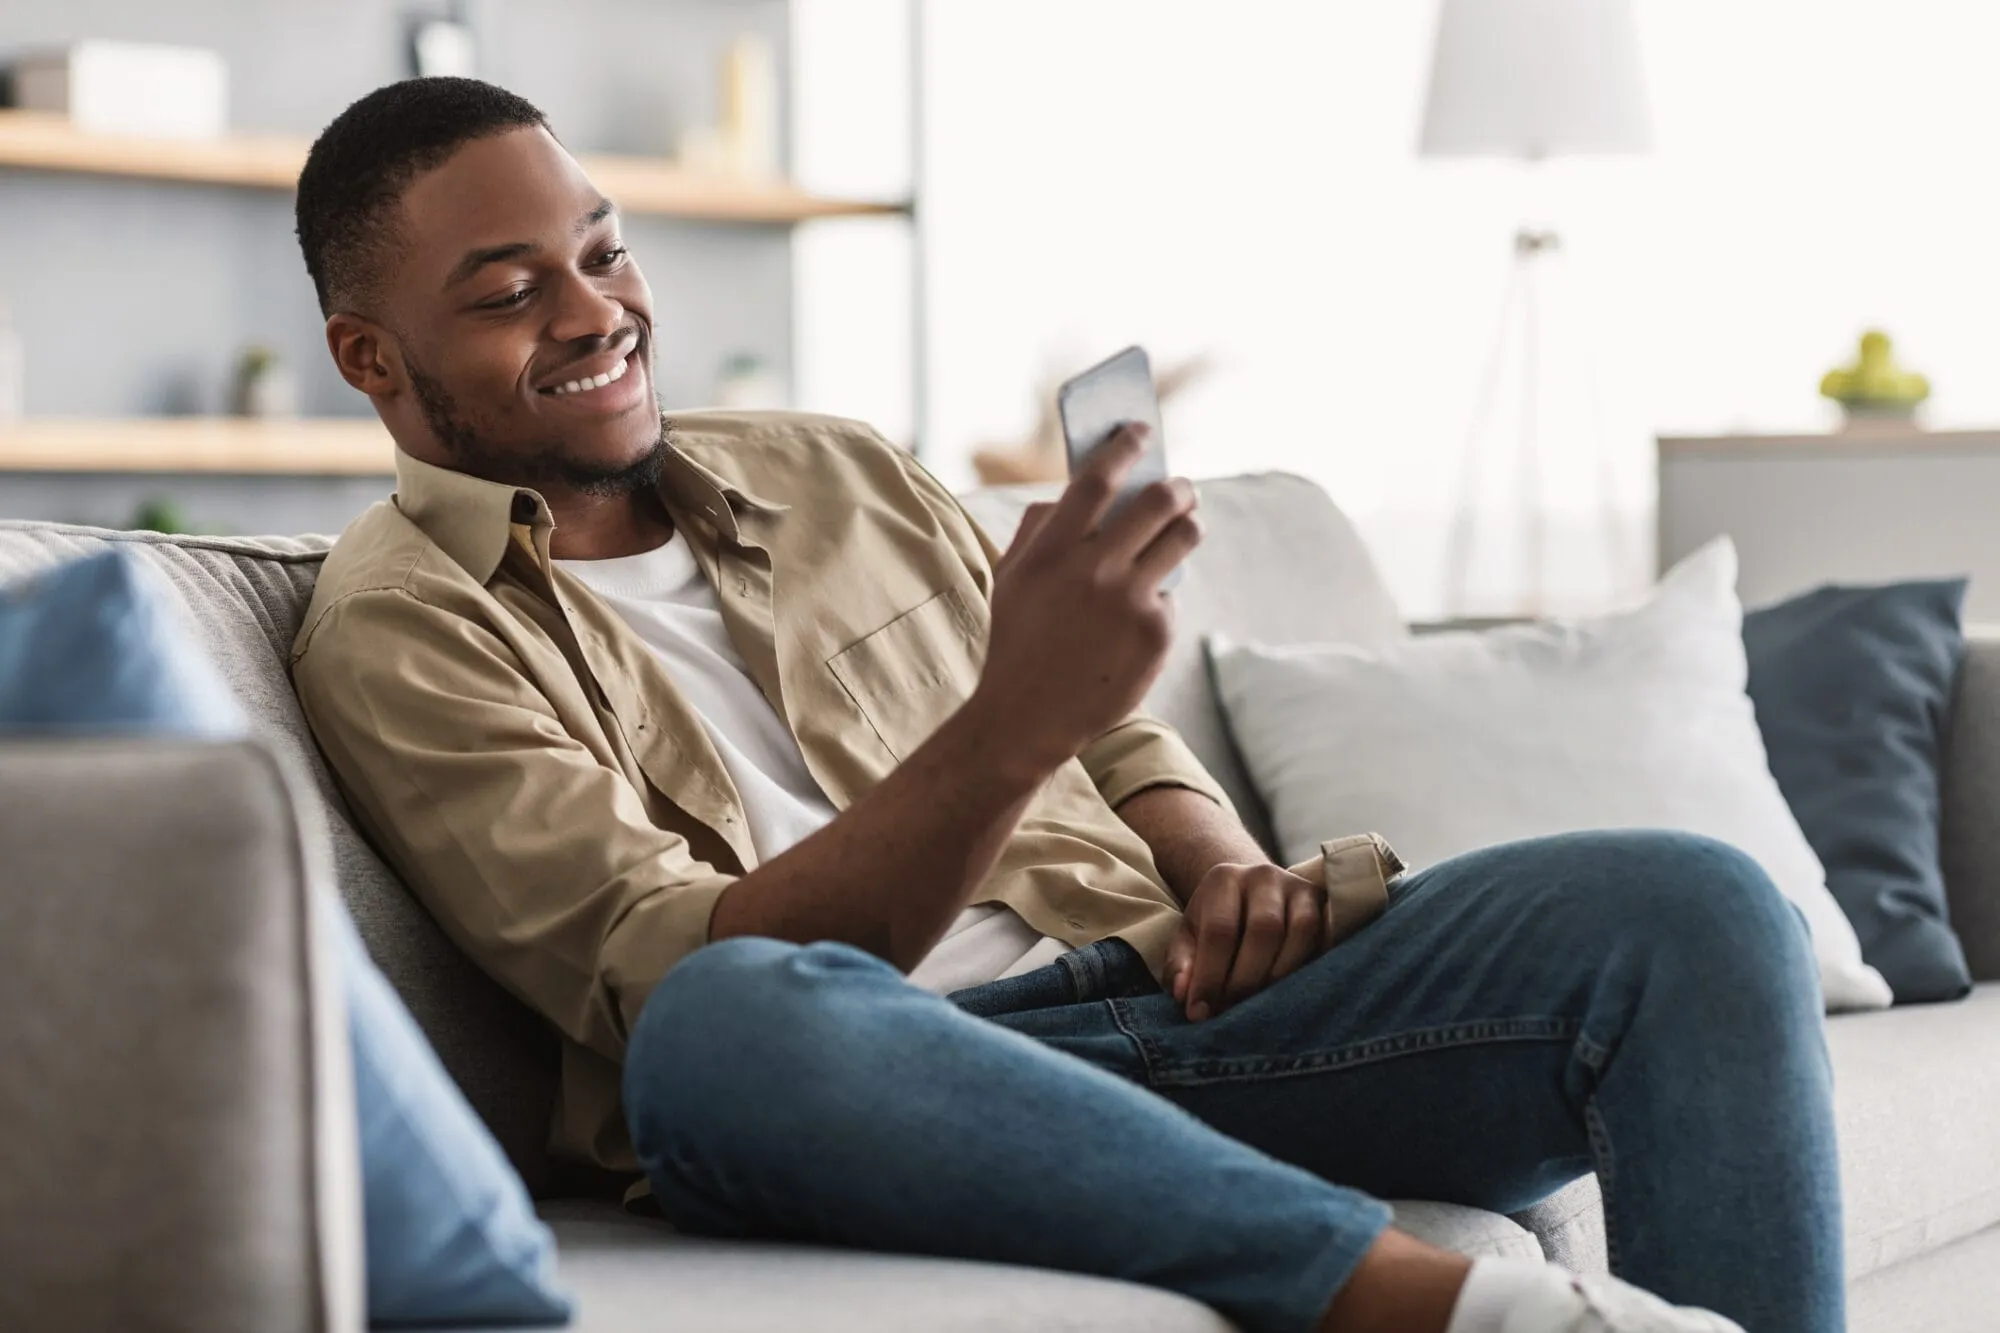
173 1147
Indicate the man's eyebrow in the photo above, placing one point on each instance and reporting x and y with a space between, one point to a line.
475 260
493 254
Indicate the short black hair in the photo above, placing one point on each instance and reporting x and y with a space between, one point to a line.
360 165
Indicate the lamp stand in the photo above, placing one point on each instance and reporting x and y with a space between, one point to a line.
1521 310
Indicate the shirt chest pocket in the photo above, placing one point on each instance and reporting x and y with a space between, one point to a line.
911 674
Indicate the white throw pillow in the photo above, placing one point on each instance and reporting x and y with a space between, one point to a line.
1446 743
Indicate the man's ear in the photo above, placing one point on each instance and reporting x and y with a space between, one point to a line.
366 355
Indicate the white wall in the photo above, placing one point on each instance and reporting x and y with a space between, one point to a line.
853 313
1239 178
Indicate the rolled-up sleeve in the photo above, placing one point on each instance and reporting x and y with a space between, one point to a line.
1143 752
537 858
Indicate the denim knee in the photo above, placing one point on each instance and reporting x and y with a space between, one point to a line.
1703 900
731 1024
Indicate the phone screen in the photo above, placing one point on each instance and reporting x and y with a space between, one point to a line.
1100 400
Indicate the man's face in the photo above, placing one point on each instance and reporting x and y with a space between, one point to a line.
524 329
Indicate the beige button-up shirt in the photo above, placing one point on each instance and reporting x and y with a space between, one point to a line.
525 762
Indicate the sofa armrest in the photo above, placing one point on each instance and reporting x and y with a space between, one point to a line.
1971 831
176 1118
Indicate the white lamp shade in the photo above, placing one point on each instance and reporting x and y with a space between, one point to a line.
1533 78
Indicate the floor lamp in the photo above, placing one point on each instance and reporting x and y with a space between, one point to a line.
1527 80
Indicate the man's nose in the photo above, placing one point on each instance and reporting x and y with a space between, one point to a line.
582 311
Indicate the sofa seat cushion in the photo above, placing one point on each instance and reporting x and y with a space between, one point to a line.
1569 1225
1916 1090
629 1274
1468 1231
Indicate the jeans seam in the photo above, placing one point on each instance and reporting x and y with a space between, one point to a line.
1594 1056
1149 1053
1419 1041
1607 1175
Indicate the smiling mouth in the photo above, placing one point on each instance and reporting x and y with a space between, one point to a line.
591 382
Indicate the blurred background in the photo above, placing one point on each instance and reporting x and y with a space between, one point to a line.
927 213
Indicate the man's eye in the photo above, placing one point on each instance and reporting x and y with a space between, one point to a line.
611 258
510 300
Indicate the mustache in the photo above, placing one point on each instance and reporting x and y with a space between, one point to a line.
583 349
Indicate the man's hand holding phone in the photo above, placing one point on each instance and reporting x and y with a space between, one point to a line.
1080 626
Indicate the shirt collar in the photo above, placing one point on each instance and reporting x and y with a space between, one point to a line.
708 492
472 519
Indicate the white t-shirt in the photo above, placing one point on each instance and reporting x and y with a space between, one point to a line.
662 595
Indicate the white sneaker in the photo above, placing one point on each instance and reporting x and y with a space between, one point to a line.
1599 1303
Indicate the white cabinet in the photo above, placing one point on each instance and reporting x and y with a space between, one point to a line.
1854 507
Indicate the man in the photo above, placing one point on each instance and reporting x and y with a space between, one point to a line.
732 746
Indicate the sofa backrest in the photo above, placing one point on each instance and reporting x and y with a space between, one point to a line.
1279 565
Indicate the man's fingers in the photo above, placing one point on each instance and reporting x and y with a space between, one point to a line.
1305 923
1174 544
1033 519
1094 486
1261 939
1215 936
1179 954
1153 509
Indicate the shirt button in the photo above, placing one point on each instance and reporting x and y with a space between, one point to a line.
743 586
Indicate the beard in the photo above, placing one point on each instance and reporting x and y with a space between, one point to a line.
547 465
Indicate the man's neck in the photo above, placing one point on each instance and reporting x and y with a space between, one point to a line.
598 527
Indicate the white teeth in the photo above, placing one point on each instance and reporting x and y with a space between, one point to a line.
617 372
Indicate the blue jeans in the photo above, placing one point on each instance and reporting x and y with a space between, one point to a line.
1644 1005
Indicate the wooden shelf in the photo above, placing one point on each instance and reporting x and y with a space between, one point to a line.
41 142
352 448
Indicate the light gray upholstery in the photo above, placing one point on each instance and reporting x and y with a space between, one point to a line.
1955 1289
1453 1226
176 1133
1280 565
636 1276
1570 1226
1916 1090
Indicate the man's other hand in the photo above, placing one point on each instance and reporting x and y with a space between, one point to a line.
1245 927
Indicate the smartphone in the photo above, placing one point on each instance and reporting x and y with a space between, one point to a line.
1100 400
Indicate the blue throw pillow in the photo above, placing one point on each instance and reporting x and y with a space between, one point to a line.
1852 688
452 1236
94 647
91 646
